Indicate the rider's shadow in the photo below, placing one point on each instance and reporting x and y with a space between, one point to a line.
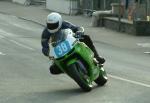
56 95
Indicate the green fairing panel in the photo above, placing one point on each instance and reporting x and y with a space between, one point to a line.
86 53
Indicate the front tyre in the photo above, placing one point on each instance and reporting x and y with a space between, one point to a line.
78 73
102 79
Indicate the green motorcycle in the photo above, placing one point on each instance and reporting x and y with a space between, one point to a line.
77 60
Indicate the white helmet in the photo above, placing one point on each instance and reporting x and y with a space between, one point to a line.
54 22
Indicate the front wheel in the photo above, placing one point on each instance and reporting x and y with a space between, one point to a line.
78 72
102 79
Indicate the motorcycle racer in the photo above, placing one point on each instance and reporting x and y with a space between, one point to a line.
54 25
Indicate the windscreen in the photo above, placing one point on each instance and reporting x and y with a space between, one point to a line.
60 36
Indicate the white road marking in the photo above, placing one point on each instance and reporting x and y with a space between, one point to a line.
1 37
144 44
146 52
22 45
11 34
2 53
6 33
23 27
129 81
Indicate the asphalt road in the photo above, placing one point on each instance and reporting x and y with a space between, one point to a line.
24 75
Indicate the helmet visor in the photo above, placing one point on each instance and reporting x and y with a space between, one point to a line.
52 26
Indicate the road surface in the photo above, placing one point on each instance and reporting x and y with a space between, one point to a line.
25 78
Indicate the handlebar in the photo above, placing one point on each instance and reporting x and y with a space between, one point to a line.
79 33
81 29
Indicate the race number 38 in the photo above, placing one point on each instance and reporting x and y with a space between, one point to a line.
62 48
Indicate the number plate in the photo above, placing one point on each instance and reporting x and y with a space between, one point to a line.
62 48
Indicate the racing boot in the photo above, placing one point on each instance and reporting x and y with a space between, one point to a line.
100 60
54 69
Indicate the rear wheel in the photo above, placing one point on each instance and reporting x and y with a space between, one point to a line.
78 72
102 79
